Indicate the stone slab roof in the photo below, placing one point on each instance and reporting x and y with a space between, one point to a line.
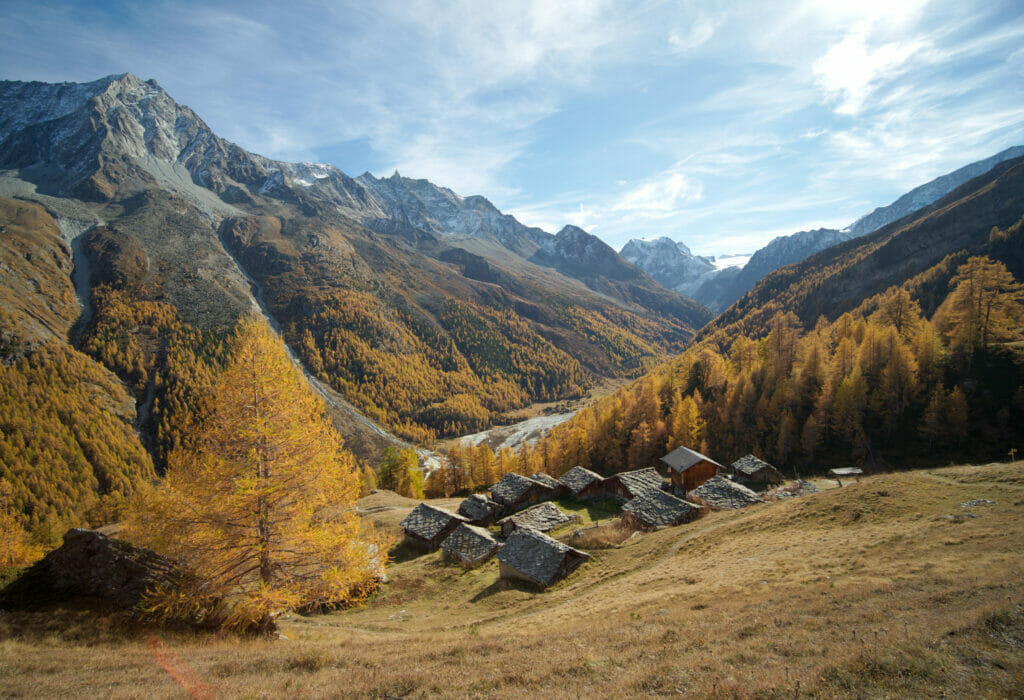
428 521
846 471
578 478
542 517
641 480
682 458
750 464
537 556
659 508
470 543
722 494
479 508
514 487
547 480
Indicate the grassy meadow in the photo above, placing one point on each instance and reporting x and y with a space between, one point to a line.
885 587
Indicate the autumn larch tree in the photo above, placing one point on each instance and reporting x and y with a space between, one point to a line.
260 508
399 471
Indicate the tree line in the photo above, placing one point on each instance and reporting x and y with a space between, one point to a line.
881 385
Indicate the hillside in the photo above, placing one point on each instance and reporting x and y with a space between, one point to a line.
840 278
885 587
673 265
431 282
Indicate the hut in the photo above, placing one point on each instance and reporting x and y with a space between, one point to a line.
583 484
469 545
655 509
543 517
480 510
557 489
629 485
688 468
719 493
751 470
532 556
840 472
515 491
428 525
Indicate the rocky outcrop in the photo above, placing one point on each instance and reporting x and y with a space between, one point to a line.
93 565
670 263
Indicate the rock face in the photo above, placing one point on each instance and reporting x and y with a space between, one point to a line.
671 263
93 565
927 193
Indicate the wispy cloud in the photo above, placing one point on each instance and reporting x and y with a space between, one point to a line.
713 124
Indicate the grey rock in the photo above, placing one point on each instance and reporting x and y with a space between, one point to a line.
93 565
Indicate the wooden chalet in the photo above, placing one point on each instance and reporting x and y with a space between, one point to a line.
629 485
428 526
480 510
583 484
656 509
753 471
688 468
534 557
469 545
515 491
543 517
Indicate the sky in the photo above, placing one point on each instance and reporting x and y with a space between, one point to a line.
719 124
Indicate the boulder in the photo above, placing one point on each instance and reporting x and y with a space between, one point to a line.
93 565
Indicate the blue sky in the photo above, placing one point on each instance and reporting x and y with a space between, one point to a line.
720 124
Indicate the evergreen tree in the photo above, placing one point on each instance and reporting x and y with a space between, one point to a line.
260 507
399 470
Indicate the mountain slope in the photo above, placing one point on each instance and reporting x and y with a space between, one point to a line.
719 289
454 323
922 196
840 278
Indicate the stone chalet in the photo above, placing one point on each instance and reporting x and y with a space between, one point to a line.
480 510
532 556
556 486
583 484
542 517
719 493
515 491
655 509
751 470
428 525
629 485
469 545
688 468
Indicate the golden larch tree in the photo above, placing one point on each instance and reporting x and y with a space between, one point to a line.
260 508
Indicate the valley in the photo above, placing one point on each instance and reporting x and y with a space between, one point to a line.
253 365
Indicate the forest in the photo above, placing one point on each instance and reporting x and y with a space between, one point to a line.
881 386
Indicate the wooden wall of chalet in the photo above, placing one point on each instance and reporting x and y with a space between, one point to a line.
694 476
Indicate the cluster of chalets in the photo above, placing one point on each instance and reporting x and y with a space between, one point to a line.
522 507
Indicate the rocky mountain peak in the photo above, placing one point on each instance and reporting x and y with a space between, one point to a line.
669 262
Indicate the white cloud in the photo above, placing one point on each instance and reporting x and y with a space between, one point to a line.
692 37
852 69
660 195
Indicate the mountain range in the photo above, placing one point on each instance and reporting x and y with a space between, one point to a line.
132 238
417 311
677 268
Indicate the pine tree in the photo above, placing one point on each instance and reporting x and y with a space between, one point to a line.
260 508
399 471
984 306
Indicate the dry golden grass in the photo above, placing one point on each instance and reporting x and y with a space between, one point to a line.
863 591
